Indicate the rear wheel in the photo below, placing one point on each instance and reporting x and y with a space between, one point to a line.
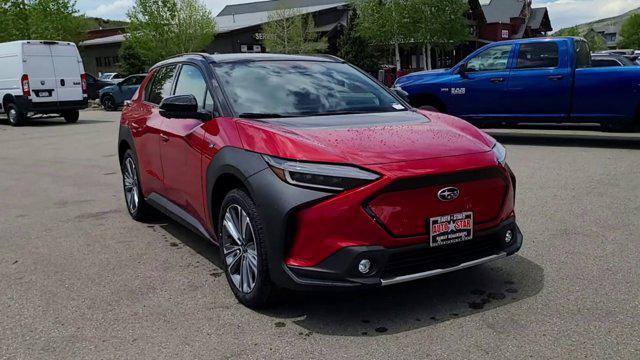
108 103
14 115
243 250
137 206
71 117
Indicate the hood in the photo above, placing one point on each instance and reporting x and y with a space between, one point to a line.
422 77
364 139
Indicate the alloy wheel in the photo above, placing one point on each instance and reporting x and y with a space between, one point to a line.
130 180
13 116
108 103
240 254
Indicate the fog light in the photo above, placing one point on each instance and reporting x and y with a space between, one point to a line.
508 236
364 266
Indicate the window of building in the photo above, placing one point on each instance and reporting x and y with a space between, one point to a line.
492 59
116 59
538 55
98 61
107 61
160 86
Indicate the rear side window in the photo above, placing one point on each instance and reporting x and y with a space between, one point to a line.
160 85
538 55
583 55
604 63
191 82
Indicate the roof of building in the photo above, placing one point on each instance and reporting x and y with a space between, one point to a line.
234 17
502 10
536 17
262 6
114 39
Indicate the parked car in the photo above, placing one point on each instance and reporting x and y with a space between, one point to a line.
94 85
41 78
536 80
113 77
610 60
311 175
112 97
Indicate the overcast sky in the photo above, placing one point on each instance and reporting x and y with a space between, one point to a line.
563 12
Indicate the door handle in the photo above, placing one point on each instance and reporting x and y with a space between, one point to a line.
164 138
555 77
497 80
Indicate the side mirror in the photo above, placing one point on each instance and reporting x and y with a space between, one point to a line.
462 70
182 107
403 94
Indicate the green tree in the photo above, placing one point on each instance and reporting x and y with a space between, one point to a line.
630 33
385 22
131 61
40 19
355 49
595 40
162 28
289 32
440 23
572 31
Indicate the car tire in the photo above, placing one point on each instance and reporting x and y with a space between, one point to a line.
108 103
244 255
134 199
71 117
14 115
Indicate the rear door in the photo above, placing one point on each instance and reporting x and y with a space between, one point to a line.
540 82
68 72
38 65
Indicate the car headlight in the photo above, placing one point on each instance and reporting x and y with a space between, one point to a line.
319 176
500 152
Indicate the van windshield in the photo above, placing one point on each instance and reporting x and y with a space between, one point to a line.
263 89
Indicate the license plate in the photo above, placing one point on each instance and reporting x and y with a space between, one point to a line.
44 94
449 229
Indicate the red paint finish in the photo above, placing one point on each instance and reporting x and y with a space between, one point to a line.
350 225
174 154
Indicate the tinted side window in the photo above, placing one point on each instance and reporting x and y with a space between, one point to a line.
604 63
132 81
495 58
161 84
191 82
583 55
538 55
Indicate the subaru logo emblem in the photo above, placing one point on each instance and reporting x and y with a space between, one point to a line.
448 194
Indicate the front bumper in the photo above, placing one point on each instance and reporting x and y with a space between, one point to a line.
393 266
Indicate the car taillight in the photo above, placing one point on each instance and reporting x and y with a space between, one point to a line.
84 83
26 89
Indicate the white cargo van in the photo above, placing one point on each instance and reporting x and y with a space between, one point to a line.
41 78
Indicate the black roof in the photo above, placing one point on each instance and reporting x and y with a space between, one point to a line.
261 6
226 58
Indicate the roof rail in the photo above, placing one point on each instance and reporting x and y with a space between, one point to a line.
203 55
328 56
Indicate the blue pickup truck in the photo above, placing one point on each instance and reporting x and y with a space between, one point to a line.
532 80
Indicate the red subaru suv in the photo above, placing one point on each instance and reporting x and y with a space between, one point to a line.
309 174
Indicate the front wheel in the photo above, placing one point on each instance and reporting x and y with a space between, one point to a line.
243 250
71 117
109 103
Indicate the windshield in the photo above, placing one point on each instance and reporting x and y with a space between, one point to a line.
301 88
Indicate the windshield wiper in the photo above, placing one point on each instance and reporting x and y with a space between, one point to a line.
261 115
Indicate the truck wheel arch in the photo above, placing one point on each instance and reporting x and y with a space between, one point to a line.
428 99
7 99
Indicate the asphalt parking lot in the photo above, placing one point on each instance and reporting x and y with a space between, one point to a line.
80 279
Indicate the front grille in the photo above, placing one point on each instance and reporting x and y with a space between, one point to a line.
424 258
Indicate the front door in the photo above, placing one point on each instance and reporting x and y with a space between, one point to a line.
479 92
183 146
129 86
